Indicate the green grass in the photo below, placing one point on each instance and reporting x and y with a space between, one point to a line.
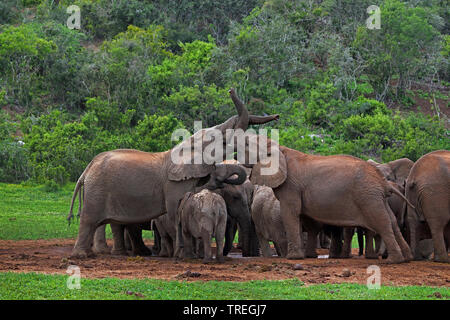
29 212
54 287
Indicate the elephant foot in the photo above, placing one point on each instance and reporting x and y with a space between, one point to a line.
144 251
163 253
395 258
119 252
408 256
82 254
220 259
371 256
295 255
346 256
207 260
102 249
441 258
311 254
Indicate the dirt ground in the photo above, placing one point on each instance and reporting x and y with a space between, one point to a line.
52 256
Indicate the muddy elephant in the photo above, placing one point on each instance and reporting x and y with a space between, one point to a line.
266 215
395 173
337 190
428 189
130 186
203 215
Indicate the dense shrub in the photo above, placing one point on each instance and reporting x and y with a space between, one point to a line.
137 70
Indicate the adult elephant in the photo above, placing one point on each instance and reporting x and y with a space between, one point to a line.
166 224
130 186
396 173
336 190
428 189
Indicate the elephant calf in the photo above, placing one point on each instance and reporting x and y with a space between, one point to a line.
268 224
202 216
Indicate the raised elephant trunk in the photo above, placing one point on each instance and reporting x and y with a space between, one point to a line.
245 119
242 111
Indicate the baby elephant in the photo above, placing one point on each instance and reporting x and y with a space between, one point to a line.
267 219
203 215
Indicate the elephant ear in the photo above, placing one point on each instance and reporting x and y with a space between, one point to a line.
401 168
182 165
271 170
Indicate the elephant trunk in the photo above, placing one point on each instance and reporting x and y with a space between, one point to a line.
242 111
262 119
225 171
245 229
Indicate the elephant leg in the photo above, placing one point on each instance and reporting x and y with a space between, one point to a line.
283 247
437 233
199 250
311 244
164 252
370 253
230 233
220 235
378 220
253 240
347 246
207 252
266 251
405 249
188 249
100 245
138 246
290 209
83 245
156 240
127 240
336 244
360 232
118 231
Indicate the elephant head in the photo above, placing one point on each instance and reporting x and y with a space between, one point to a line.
263 155
396 171
224 173
196 156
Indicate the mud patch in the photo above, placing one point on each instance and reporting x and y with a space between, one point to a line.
52 256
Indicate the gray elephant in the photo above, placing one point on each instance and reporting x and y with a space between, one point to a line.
238 200
130 186
428 188
266 215
395 173
337 190
165 223
202 216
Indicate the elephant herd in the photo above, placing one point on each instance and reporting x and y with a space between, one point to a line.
397 204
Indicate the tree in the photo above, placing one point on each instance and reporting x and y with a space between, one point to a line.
405 47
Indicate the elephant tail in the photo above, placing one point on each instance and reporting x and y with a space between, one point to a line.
79 190
392 189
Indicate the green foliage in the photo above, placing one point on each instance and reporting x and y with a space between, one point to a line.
9 11
137 70
54 287
406 46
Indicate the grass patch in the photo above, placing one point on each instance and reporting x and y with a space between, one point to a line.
29 212
20 286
